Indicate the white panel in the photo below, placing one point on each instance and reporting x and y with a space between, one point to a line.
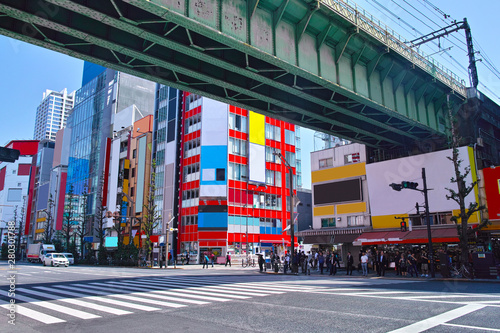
170 152
230 228
439 170
208 174
214 123
257 163
213 191
113 174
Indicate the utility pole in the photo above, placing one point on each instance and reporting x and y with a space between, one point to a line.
428 218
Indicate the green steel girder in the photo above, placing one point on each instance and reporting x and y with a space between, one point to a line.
185 50
167 46
117 50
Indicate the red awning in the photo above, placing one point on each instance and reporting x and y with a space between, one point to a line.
419 236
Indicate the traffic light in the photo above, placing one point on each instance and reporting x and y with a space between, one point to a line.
396 187
8 154
403 226
409 185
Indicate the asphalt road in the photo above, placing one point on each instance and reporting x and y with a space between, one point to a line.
223 299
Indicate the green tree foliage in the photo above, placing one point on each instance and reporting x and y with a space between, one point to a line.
49 229
69 217
152 216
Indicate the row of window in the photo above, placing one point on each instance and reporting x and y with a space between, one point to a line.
193 124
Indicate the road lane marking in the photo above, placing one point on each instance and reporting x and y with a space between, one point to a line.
55 307
75 301
474 327
440 319
38 316
222 291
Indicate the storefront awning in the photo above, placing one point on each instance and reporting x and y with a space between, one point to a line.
345 238
318 239
419 236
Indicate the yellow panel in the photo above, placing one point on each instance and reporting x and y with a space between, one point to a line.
473 173
474 218
39 231
126 164
324 210
346 171
41 219
257 125
357 207
387 221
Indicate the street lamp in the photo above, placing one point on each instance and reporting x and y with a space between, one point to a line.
292 206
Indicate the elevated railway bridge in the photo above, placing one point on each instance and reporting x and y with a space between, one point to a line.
322 64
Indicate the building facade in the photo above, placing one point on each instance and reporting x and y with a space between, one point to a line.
234 189
52 113
15 179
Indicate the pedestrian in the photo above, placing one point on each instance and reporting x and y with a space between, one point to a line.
333 265
364 264
212 258
287 262
261 262
412 264
187 258
321 261
328 260
349 263
382 263
228 259
316 255
402 264
425 264
396 263
204 259
376 262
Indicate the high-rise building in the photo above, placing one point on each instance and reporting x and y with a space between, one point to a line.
52 113
106 104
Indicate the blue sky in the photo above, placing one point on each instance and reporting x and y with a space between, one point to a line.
27 70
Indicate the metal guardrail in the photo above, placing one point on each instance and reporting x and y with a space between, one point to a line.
366 22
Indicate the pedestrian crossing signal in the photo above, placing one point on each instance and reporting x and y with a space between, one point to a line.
403 226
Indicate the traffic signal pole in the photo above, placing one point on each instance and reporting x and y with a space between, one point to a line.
428 218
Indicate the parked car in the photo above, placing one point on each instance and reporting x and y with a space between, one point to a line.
55 259
70 258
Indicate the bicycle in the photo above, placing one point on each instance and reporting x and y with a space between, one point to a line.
248 262
462 272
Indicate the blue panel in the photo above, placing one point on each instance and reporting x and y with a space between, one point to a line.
111 241
262 230
266 244
91 71
212 220
88 239
273 230
230 220
256 221
214 157
280 231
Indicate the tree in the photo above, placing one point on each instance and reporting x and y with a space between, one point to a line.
83 229
69 217
459 195
100 228
152 216
49 230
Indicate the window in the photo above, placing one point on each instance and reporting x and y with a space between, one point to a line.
220 174
237 122
131 191
289 137
351 158
14 194
290 157
134 153
328 222
237 147
354 220
273 132
237 172
270 157
326 163
273 178
133 172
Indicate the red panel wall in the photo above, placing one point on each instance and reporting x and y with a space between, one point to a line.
23 169
2 178
25 147
60 204
492 188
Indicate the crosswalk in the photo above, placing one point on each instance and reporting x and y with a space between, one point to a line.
59 303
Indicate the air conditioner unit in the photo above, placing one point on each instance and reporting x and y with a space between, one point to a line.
480 142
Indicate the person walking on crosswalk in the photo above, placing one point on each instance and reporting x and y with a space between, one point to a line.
205 260
228 259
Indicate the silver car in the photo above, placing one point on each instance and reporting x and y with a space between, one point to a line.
55 259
